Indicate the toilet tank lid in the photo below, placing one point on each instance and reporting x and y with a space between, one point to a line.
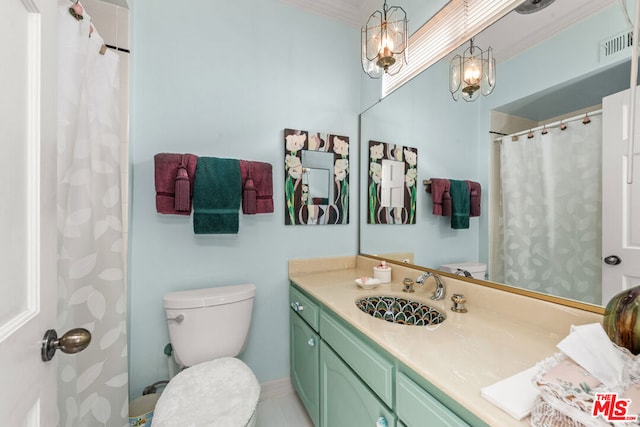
207 297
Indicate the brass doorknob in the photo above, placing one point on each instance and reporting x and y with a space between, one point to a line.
74 341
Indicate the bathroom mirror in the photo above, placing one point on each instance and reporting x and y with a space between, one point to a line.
316 181
549 65
317 177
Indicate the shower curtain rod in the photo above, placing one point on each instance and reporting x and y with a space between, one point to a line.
551 125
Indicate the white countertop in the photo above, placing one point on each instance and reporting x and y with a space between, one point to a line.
499 336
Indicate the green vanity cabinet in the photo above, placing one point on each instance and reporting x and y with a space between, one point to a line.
346 400
375 370
415 405
305 355
304 307
345 379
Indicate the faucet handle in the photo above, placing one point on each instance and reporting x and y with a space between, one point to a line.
459 301
408 285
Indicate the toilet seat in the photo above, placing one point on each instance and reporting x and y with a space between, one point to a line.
222 392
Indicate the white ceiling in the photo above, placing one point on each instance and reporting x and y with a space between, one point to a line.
350 12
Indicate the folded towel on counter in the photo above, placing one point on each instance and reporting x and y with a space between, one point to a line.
216 196
168 167
515 395
459 204
439 189
590 347
474 197
257 187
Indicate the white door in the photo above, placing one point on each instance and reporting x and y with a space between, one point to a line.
27 210
620 201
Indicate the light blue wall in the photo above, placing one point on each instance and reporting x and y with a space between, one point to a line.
224 79
422 114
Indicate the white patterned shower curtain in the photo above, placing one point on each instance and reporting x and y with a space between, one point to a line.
551 211
92 385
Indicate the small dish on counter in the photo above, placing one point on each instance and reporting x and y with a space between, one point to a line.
368 282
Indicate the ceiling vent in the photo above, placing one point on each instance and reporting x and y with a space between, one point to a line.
616 47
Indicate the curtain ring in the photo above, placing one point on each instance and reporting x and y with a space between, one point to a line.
544 130
530 134
586 119
562 125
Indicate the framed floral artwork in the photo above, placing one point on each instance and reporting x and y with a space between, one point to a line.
316 179
393 173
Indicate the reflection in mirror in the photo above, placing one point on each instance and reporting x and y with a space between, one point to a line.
317 174
392 184
538 81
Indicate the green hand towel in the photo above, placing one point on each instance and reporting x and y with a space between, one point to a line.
216 196
460 205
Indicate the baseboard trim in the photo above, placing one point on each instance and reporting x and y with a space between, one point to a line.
276 388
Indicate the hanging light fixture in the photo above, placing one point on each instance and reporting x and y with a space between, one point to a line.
472 74
384 41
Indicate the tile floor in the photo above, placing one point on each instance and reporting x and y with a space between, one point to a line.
283 410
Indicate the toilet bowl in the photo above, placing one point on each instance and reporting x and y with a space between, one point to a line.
207 329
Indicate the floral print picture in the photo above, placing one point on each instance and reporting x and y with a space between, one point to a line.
377 212
300 207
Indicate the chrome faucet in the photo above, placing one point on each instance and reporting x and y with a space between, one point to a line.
462 272
440 291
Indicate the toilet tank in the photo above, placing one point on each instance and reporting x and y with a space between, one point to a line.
206 324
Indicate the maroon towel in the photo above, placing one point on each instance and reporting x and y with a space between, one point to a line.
474 196
257 187
439 189
166 166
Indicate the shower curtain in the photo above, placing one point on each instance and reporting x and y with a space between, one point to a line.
92 385
551 211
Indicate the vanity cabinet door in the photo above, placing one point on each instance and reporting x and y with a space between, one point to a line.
346 400
417 408
305 364
376 371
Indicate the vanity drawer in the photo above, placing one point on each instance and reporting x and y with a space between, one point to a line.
415 405
365 361
305 308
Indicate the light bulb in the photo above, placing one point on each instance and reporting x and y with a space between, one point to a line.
385 54
472 72
387 43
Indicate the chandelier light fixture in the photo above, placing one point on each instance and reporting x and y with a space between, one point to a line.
384 41
472 74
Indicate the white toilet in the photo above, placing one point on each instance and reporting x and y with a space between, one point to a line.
207 329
